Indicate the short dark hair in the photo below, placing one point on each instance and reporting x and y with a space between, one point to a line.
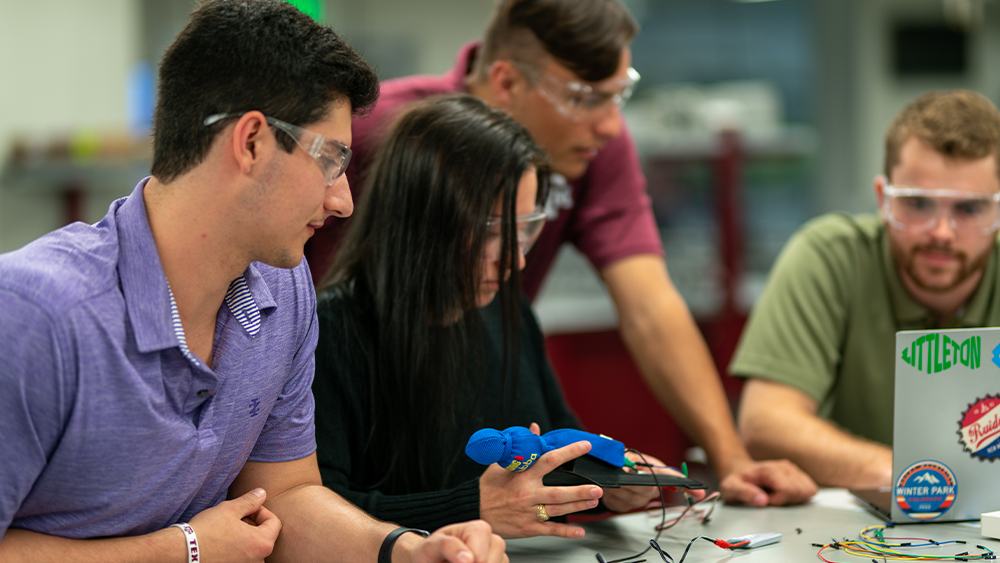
413 253
586 36
242 55
955 123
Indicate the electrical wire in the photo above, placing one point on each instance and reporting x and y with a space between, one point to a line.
665 524
873 543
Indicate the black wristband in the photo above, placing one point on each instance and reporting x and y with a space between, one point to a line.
385 552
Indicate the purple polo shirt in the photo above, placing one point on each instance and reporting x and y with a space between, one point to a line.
108 427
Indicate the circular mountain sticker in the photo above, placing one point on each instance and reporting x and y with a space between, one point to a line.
979 428
926 490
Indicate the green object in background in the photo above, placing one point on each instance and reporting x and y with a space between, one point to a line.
311 8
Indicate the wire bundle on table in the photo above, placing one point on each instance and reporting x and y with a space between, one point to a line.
875 545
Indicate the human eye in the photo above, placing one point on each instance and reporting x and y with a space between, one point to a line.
917 203
970 207
598 99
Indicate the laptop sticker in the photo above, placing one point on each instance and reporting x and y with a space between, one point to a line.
926 490
979 428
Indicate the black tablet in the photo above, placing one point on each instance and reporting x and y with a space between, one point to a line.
588 470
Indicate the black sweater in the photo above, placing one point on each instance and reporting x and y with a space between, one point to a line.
342 420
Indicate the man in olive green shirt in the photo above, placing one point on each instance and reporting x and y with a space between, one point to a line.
819 349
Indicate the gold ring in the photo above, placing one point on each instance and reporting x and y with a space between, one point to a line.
542 515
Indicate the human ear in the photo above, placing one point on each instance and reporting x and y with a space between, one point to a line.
248 140
506 83
880 181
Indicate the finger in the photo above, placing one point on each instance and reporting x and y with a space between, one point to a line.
563 495
477 535
535 429
735 489
787 485
249 503
558 530
557 457
554 510
695 493
498 550
451 549
268 524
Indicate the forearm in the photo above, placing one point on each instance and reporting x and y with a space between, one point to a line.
427 511
163 546
675 362
319 525
830 455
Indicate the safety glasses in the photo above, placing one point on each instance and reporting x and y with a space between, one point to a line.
332 156
919 209
529 227
577 100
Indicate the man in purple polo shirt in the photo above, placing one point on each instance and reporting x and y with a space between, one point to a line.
562 68
160 361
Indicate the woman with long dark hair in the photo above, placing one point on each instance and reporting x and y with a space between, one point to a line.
425 338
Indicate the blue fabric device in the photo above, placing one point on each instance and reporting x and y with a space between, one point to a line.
516 448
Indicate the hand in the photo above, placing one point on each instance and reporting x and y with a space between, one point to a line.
508 500
762 483
468 542
237 530
625 499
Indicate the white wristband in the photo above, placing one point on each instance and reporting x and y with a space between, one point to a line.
191 540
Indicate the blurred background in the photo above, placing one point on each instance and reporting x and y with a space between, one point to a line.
751 118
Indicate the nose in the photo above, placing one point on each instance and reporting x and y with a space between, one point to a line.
943 228
521 260
339 201
608 122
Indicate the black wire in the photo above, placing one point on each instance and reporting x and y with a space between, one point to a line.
663 512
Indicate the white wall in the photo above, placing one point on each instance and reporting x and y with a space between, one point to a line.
63 68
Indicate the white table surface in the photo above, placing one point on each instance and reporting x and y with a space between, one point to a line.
833 513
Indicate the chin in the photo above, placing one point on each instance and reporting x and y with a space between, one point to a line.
485 299
571 171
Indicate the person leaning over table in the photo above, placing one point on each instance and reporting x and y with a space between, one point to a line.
416 352
562 68
819 348
160 361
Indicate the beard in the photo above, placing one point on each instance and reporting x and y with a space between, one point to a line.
967 268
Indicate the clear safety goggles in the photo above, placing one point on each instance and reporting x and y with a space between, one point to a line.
332 156
578 100
919 209
529 227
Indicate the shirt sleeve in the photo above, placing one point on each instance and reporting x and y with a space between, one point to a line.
290 432
35 399
796 331
613 215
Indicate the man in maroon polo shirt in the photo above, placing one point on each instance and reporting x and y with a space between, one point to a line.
562 68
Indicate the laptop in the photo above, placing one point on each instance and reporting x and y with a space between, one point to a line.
946 428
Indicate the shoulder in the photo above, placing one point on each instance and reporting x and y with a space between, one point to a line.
838 240
839 228
63 268
394 96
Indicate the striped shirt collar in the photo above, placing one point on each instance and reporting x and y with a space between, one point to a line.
241 304
148 298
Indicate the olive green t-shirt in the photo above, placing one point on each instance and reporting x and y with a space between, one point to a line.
827 320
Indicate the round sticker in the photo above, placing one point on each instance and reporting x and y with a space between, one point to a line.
979 428
926 490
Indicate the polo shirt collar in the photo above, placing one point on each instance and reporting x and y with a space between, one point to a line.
910 315
144 285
